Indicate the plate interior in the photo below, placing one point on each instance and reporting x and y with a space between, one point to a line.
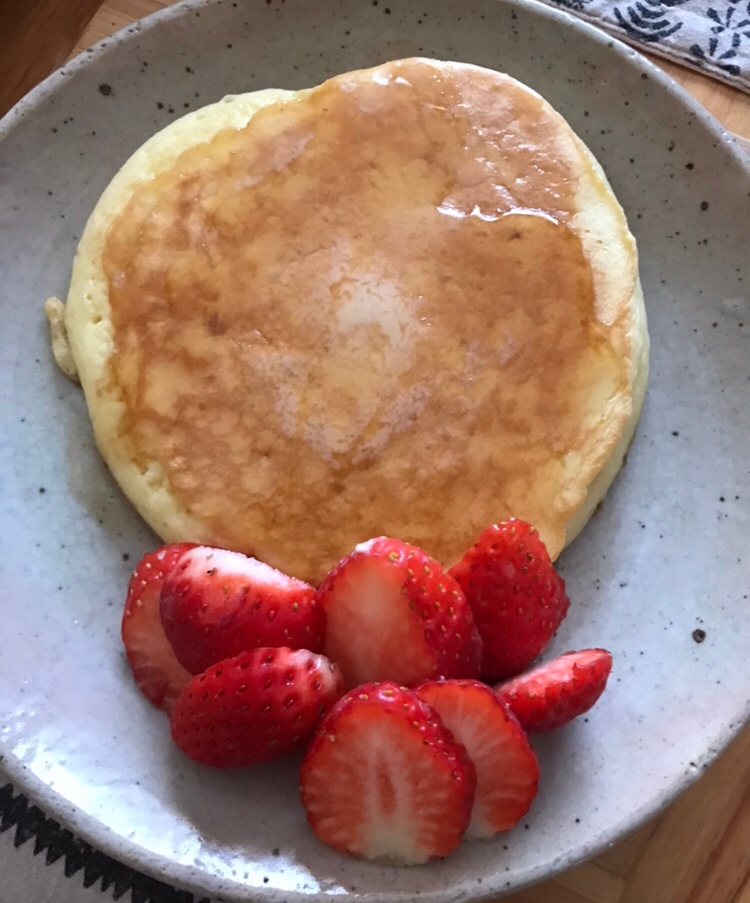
665 556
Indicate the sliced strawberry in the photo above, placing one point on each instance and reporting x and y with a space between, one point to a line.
257 706
216 604
158 674
383 778
517 597
507 769
392 613
556 692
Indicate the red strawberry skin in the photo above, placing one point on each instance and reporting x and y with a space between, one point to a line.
554 693
158 674
254 707
517 597
392 613
384 779
506 767
216 604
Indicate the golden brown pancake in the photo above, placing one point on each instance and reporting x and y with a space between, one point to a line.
404 302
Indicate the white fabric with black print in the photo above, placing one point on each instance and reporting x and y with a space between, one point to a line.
712 36
42 862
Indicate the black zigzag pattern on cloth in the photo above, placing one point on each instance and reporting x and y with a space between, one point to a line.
80 858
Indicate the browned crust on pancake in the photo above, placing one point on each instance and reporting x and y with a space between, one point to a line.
379 425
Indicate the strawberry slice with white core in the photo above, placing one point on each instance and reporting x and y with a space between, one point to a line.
216 604
507 769
554 693
392 613
158 674
384 779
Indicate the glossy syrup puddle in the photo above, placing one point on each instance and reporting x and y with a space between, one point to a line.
363 313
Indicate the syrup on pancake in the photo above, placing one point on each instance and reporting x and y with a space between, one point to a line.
369 311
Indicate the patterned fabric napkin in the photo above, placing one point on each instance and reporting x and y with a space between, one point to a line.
42 862
712 36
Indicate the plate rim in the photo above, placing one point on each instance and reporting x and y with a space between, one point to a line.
100 49
137 857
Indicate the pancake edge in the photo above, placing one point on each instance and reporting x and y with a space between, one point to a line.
88 325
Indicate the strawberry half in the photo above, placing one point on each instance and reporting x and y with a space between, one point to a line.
383 778
556 692
517 597
507 769
257 706
158 674
392 613
216 604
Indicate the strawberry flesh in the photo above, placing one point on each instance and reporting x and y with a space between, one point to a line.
216 604
254 707
384 779
517 597
392 613
506 767
158 674
555 692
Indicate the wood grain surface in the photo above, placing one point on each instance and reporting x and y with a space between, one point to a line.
36 36
698 850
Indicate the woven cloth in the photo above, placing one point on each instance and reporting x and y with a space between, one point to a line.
712 36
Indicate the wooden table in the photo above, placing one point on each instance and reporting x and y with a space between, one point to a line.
698 850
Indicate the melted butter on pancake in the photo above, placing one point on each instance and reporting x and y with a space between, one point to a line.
364 312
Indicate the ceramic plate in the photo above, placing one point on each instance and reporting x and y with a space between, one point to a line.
663 565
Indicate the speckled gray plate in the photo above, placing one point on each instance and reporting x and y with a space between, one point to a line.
666 556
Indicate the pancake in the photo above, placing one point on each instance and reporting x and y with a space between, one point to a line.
403 302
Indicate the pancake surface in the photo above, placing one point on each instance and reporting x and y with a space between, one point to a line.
405 302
